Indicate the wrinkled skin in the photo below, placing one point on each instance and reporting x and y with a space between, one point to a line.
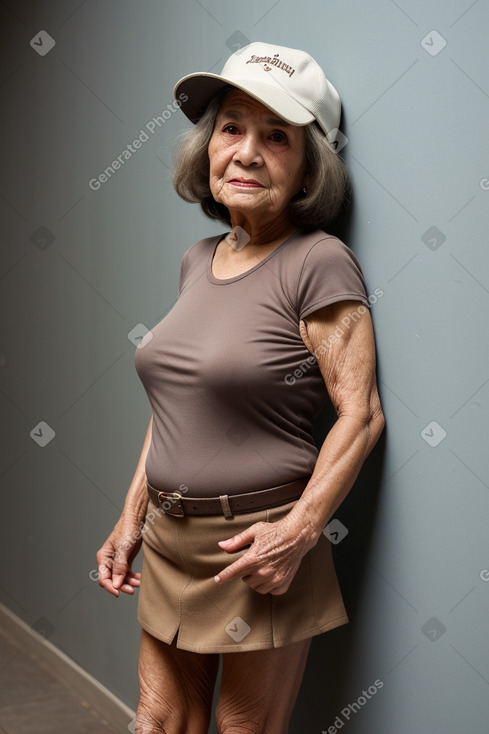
259 688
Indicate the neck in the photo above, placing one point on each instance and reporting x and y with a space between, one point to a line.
264 233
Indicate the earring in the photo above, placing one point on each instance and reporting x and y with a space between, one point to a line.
304 190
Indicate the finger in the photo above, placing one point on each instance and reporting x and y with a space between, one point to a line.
280 590
105 556
261 589
108 586
239 540
239 568
104 559
127 589
266 588
118 580
134 574
119 572
114 576
133 581
104 572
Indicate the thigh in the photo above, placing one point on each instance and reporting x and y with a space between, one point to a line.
176 688
259 689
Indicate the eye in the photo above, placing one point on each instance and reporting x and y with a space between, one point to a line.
278 137
231 129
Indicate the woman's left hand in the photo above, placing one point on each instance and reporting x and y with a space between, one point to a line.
271 562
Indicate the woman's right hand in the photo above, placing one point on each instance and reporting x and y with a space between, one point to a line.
115 557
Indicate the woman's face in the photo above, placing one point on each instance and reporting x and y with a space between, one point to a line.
257 160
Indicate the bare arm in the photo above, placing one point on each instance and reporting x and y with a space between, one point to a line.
347 364
136 501
348 369
115 557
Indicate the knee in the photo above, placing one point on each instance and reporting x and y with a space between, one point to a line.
151 719
162 708
238 724
145 725
239 729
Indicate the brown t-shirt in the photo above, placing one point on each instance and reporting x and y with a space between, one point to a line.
233 388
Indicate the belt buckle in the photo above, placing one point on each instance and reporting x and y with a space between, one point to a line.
176 506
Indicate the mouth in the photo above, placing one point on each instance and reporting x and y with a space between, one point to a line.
247 183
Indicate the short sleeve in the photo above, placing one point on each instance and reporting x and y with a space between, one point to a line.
330 273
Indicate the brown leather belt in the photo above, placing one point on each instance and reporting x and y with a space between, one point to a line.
174 504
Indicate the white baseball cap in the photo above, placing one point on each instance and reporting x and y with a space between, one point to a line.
286 80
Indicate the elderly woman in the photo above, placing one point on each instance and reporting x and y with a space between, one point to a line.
231 496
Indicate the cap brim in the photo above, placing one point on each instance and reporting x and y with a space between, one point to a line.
201 87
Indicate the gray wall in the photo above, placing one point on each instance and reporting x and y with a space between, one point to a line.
82 268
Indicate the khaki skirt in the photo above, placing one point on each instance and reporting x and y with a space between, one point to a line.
178 593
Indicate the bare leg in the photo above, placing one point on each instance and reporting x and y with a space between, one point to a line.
259 689
176 688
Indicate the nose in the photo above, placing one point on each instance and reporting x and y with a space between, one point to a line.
248 151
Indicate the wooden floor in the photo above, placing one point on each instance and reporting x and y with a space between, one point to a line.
34 701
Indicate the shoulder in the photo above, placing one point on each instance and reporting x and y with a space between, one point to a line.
324 270
320 249
195 259
201 248
198 255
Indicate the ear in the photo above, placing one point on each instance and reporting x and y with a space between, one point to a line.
307 179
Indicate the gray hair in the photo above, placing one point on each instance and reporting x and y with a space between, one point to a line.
328 190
